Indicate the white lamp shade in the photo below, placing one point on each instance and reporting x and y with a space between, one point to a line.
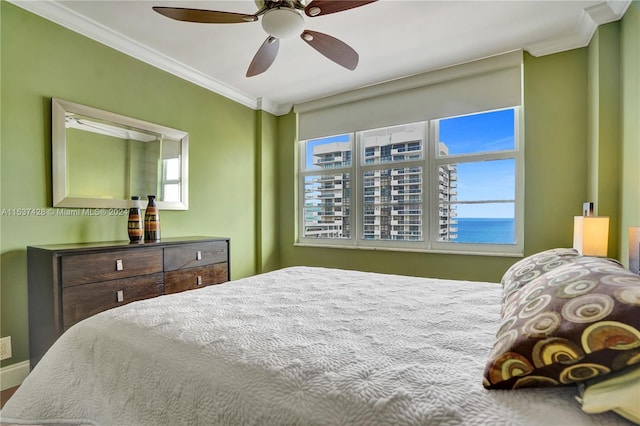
591 235
282 23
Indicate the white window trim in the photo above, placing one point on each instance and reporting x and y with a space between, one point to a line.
430 199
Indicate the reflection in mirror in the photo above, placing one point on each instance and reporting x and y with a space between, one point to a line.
101 159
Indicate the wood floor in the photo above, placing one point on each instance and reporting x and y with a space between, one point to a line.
6 394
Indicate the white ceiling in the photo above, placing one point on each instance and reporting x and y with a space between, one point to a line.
395 38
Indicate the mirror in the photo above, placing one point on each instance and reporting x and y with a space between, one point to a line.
100 159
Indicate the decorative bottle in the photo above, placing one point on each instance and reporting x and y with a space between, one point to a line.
135 229
151 221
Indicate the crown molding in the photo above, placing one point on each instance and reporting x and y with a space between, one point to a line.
275 109
590 19
61 15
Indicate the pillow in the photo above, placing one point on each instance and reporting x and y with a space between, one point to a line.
619 392
530 268
576 322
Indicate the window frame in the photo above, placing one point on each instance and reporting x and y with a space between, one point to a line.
430 201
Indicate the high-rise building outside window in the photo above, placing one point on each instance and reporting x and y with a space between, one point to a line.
452 184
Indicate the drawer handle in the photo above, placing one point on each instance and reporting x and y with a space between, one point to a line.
120 296
199 280
119 266
198 255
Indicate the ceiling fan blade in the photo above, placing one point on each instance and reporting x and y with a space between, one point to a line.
264 56
204 16
334 49
325 7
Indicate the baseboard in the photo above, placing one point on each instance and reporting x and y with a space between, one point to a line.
13 375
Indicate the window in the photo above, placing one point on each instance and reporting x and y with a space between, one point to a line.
393 188
326 185
451 184
478 166
171 179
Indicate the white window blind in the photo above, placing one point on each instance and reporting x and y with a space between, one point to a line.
482 85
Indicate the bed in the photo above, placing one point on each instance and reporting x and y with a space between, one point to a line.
297 346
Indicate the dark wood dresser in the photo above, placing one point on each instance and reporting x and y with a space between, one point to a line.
70 282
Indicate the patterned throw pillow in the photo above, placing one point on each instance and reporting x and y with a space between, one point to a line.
530 268
576 322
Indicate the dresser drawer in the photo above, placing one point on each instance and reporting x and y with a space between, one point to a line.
103 266
192 255
82 301
187 279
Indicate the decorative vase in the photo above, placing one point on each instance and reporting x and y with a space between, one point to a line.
151 221
135 228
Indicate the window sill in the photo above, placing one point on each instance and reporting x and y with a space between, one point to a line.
411 250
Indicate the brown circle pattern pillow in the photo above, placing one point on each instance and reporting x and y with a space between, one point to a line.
577 322
532 267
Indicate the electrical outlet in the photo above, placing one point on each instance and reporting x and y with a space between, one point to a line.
5 348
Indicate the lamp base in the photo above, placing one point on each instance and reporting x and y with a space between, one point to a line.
634 249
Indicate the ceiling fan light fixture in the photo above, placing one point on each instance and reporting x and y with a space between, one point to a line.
282 22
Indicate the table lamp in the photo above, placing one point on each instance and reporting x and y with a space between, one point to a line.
591 234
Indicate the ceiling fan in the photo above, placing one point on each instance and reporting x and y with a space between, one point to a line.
280 19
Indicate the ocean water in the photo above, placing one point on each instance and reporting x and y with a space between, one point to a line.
489 231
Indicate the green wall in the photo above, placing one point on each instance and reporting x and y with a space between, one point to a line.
561 96
630 126
614 127
267 259
555 100
604 128
102 168
41 60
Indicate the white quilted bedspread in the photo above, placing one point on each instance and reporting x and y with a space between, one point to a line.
299 346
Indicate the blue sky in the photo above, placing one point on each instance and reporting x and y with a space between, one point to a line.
312 143
489 180
492 131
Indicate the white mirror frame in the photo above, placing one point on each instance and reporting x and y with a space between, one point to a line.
61 197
